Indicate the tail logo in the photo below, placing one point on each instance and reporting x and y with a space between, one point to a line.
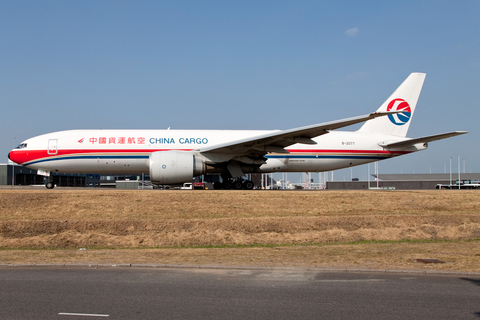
404 116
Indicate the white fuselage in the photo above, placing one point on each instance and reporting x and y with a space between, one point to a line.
127 151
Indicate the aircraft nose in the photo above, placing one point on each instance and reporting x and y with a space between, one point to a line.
11 156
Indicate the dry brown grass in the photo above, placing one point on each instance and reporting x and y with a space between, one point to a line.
153 204
71 219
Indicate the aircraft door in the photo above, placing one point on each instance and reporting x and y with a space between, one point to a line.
52 146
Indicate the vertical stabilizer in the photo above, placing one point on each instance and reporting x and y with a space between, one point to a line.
403 99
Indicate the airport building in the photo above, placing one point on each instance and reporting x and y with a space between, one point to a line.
21 176
426 181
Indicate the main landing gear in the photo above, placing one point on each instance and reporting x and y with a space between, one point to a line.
233 184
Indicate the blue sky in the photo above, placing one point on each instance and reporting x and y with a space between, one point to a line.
239 65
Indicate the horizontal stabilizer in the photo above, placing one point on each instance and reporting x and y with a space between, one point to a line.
411 142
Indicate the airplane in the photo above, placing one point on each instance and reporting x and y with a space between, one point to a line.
177 156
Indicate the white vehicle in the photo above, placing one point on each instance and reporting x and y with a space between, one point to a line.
176 156
466 184
187 186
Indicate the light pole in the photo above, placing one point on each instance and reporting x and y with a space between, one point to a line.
368 175
458 172
450 172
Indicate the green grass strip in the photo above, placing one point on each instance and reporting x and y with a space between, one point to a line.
257 245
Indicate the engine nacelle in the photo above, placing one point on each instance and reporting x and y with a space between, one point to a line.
171 167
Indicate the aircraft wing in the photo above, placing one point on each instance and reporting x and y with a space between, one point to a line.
276 141
411 142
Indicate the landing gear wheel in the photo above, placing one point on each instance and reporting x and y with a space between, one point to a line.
237 185
227 185
49 185
247 185
218 185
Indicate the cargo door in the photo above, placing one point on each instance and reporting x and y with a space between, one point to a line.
52 146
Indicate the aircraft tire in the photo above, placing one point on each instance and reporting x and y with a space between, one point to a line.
227 185
49 185
247 185
237 185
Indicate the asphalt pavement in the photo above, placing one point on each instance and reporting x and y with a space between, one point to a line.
168 293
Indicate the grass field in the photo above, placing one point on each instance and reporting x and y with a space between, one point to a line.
337 229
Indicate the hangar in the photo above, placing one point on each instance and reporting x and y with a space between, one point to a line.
18 175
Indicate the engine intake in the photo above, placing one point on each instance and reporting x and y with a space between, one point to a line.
171 167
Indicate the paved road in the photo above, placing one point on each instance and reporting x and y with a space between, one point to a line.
149 293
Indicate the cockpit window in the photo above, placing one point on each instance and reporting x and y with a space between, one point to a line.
21 146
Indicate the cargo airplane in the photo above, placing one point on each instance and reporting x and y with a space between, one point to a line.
177 156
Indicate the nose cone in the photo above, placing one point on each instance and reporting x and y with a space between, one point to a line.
12 155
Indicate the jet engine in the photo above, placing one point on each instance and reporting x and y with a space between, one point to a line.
171 167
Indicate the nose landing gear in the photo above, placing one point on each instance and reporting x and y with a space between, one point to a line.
50 184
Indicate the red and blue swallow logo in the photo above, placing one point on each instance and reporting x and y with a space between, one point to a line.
404 116
81 140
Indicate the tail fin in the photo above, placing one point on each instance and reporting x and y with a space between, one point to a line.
403 99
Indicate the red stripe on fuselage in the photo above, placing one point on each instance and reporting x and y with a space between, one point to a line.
346 151
23 156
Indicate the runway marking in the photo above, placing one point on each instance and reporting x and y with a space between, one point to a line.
83 314
355 280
